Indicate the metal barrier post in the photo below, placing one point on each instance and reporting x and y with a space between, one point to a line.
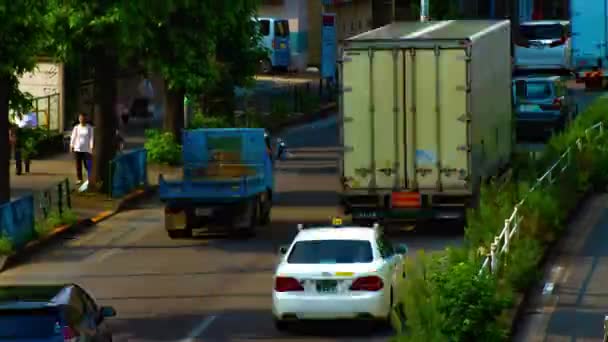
59 198
68 198
110 178
493 261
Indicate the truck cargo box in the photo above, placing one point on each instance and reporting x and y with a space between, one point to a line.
426 113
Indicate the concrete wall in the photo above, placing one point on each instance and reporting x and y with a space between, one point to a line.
47 79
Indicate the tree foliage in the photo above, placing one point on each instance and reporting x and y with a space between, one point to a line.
24 33
108 33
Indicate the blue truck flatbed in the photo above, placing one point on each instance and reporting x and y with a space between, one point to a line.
227 182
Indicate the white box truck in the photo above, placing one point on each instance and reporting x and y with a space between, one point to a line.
426 117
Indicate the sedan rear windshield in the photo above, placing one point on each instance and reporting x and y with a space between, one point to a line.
331 252
538 90
542 32
35 324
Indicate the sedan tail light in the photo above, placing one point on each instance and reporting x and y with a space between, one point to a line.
370 283
287 284
557 104
559 42
70 335
522 42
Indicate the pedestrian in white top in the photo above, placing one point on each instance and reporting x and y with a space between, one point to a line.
81 143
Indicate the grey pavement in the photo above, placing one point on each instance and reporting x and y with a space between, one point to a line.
579 272
207 289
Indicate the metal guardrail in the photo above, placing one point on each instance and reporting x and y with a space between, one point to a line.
54 198
502 241
128 171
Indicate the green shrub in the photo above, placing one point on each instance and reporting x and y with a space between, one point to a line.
446 299
202 121
6 246
421 302
522 269
54 220
162 147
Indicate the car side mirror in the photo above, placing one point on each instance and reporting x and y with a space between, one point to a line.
283 250
402 249
107 311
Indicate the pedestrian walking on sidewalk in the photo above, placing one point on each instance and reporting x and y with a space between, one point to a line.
18 151
81 143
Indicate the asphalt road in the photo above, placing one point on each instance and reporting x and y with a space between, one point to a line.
207 289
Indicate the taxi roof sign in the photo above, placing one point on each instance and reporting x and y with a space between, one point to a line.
336 221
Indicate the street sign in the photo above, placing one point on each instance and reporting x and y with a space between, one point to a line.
329 46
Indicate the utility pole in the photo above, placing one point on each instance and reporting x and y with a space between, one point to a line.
424 10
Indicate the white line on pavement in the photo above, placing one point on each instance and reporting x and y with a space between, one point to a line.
200 329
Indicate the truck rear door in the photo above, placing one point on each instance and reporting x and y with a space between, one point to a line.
437 122
589 34
373 119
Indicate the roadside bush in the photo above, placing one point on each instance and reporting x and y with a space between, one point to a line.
39 142
522 269
447 299
162 147
202 121
6 246
54 220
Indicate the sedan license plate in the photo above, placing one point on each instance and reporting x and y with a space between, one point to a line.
202 212
327 286
529 108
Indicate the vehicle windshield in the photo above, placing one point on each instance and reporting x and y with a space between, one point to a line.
541 32
538 90
28 325
331 252
281 28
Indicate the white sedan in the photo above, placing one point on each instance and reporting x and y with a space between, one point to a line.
337 273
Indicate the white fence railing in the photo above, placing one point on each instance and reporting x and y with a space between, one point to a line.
502 241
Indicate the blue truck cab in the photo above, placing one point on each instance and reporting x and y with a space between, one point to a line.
227 183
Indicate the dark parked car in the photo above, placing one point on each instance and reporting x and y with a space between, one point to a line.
542 106
52 313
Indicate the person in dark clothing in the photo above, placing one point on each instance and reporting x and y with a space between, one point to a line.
18 151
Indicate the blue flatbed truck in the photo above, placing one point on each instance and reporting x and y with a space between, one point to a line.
227 184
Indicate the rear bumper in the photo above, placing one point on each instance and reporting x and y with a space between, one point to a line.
211 217
540 127
370 305
377 207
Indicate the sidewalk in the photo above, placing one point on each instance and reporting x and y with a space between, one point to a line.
47 173
574 310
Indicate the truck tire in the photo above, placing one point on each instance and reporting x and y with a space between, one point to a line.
250 230
265 208
180 234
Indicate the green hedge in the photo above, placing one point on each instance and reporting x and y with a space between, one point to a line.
446 297
40 142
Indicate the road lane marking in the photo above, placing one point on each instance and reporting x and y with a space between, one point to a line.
200 329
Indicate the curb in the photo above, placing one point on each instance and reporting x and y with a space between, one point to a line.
324 112
33 246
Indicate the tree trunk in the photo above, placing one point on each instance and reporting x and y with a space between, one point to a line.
174 112
105 121
5 150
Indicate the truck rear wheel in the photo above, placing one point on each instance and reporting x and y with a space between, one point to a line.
180 234
265 208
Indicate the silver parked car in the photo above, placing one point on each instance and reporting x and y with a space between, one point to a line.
543 44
